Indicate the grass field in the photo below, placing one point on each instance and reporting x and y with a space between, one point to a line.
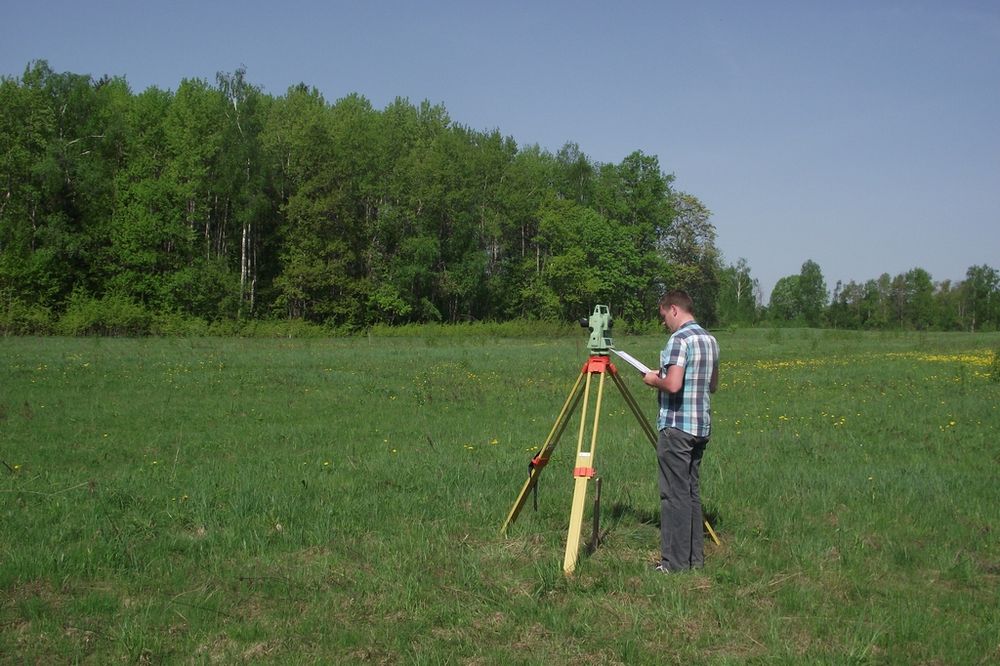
339 501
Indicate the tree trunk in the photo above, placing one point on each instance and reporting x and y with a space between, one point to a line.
244 264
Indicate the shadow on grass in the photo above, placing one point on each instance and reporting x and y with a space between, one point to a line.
613 516
620 510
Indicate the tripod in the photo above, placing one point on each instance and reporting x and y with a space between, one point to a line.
598 364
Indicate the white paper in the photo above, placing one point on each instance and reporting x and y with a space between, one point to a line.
633 361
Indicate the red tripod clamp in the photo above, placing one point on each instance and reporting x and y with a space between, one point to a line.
599 364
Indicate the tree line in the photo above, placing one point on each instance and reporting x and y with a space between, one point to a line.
911 300
218 202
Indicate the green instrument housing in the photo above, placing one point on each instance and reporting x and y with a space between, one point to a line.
599 323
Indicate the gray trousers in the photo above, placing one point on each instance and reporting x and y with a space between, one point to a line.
682 543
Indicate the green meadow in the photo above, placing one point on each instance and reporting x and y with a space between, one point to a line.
218 500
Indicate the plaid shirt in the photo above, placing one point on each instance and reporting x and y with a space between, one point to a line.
696 350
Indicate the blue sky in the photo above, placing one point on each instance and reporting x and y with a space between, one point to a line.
862 135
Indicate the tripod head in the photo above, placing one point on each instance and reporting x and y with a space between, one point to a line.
599 323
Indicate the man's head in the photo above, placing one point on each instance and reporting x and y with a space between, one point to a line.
676 309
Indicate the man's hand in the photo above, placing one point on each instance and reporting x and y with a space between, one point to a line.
672 383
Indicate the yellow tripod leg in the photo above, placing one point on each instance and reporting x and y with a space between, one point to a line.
583 461
543 455
583 472
712 534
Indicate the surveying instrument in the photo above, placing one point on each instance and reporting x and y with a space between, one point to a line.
599 364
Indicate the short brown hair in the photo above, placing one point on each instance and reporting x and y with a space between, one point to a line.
677 297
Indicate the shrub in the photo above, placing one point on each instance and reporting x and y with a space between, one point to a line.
17 318
177 324
515 328
113 315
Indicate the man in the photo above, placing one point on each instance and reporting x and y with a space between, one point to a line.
689 373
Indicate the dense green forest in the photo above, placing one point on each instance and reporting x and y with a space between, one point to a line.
217 202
